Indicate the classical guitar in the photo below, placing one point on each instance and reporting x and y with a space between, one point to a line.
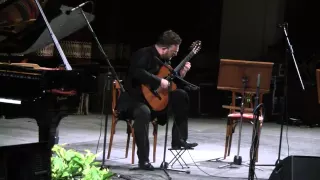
158 98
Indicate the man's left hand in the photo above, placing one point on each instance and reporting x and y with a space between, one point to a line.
185 69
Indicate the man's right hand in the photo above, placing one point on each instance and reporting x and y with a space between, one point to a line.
164 84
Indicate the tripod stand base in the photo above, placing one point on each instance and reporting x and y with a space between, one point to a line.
164 167
237 160
177 170
215 160
230 165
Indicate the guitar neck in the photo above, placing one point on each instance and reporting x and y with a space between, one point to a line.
183 62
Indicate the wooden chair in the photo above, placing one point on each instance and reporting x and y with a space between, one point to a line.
234 116
130 130
234 76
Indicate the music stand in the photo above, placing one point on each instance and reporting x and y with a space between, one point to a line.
241 76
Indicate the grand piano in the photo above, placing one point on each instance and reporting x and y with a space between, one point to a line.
30 89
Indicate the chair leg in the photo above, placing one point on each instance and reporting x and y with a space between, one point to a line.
154 147
133 146
112 132
226 147
127 145
155 138
128 139
231 131
230 139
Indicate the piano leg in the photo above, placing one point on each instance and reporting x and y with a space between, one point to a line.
48 127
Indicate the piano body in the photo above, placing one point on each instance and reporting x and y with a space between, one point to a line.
46 94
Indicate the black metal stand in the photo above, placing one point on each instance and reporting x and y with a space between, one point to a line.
237 160
285 105
164 165
114 75
255 134
110 79
215 159
254 144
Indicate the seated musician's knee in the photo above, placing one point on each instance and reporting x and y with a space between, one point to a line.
142 113
180 96
181 92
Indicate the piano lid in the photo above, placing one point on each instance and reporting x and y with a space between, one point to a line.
23 31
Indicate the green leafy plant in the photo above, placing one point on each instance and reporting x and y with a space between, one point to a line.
72 165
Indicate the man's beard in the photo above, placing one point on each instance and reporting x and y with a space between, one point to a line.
166 57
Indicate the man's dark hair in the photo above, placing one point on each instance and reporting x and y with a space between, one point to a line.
168 38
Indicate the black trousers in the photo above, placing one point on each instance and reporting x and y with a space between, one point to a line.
143 115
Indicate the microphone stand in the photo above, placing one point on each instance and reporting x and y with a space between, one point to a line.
285 104
114 74
256 114
237 159
164 165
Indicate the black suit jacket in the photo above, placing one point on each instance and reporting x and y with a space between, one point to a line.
142 70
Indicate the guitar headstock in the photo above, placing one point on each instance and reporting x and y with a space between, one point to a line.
195 46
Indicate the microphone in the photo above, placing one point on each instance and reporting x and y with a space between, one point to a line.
285 24
75 8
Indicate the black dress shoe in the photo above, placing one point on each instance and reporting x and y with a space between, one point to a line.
184 144
187 145
146 166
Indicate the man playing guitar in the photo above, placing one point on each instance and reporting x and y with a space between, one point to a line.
143 71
